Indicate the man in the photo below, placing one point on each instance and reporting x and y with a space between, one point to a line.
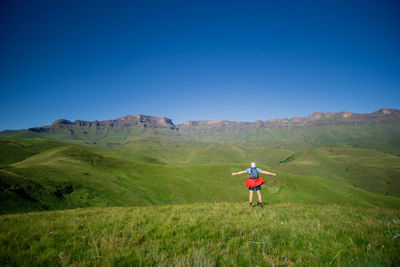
254 182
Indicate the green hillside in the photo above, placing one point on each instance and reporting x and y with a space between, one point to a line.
381 137
185 152
71 176
94 135
14 150
370 170
209 234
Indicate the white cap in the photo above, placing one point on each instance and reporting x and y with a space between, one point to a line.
253 164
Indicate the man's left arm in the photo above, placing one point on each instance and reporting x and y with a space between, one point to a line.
269 173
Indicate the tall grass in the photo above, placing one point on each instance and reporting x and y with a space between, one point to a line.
203 235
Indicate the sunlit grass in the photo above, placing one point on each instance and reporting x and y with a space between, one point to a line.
203 235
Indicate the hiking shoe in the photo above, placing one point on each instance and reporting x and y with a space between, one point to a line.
260 204
251 204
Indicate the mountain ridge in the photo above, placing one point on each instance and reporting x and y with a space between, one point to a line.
296 119
164 122
127 120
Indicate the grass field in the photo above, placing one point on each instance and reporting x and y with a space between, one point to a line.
209 234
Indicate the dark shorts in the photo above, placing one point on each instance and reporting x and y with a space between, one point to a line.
257 188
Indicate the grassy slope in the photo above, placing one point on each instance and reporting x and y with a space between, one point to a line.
94 135
381 137
370 170
102 177
203 235
378 136
184 152
14 150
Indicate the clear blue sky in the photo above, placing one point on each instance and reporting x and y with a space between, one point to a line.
195 60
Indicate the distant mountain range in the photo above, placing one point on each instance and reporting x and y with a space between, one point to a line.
379 130
317 118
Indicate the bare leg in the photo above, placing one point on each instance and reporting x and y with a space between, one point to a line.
259 196
251 196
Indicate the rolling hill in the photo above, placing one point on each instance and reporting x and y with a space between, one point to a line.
368 169
71 176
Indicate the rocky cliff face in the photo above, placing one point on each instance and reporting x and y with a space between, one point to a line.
211 122
316 119
61 121
127 121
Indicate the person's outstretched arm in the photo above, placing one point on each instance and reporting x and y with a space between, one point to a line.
236 173
269 173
